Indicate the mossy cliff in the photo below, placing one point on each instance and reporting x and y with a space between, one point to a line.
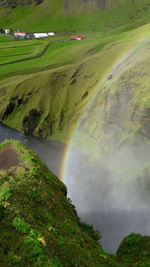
116 124
39 225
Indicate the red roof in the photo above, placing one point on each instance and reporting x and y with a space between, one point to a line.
78 37
21 32
74 37
82 36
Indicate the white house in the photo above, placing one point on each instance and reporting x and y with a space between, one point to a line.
20 34
7 31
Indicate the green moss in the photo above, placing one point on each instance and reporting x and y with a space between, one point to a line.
20 225
5 193
135 248
13 258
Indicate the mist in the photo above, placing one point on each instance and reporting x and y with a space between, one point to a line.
108 168
106 198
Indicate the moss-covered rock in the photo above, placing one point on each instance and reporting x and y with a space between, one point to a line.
135 249
39 225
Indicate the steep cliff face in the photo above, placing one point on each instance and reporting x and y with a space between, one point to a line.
118 119
112 146
121 107
39 225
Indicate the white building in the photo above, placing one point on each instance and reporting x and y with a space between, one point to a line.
51 33
40 35
43 35
20 34
7 31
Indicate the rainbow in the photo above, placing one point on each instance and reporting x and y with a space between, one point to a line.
115 68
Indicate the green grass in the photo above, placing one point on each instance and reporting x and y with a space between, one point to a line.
14 51
58 53
79 17
20 225
4 38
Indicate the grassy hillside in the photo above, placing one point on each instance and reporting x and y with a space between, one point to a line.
46 84
39 226
75 15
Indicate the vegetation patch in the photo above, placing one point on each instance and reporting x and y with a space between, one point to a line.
20 225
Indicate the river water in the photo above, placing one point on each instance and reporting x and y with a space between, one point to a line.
50 152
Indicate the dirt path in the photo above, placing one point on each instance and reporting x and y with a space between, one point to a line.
8 158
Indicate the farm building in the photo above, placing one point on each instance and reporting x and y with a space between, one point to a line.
78 37
82 36
51 33
43 35
7 31
20 34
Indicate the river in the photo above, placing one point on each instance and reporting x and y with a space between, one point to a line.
50 152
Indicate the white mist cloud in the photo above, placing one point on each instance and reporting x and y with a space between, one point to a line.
110 182
115 203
